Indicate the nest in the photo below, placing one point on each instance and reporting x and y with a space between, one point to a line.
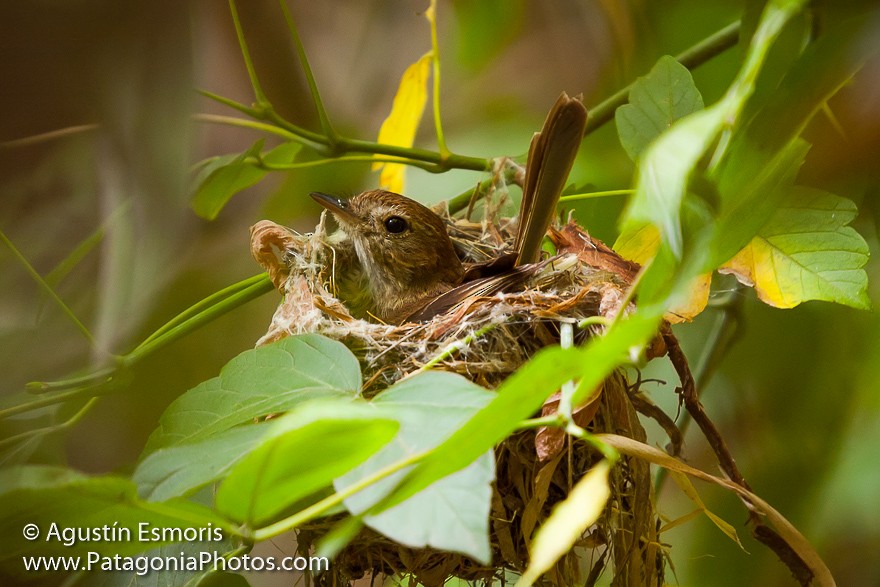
486 339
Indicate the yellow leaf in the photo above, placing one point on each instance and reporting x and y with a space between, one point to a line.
698 298
754 266
400 127
688 489
568 521
639 245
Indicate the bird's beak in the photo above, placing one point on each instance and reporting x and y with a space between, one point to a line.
340 208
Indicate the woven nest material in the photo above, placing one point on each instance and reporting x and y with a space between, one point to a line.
486 339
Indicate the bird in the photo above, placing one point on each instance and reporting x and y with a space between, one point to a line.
405 268
403 254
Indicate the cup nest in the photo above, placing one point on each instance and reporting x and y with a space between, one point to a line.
486 339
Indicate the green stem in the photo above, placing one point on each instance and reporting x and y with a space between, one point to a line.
253 125
608 451
553 420
691 58
316 510
246 55
435 99
594 321
47 288
186 322
441 163
326 127
347 159
591 195
204 304
260 285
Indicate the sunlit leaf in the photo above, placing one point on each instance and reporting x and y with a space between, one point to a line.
656 101
806 252
668 163
302 453
259 382
771 138
568 521
400 127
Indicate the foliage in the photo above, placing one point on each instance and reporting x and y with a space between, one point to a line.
282 436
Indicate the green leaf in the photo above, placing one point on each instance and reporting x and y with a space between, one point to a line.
223 177
258 382
57 499
770 138
665 173
669 162
657 100
302 453
180 470
806 252
452 514
567 522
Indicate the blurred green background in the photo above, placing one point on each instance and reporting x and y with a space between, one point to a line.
796 397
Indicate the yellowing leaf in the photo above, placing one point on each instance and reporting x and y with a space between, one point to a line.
806 252
568 521
400 127
639 244
696 301
688 489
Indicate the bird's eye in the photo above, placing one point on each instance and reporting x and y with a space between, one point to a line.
395 224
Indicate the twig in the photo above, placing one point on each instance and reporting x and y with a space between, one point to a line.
763 533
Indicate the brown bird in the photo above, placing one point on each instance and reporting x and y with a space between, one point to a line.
405 258
404 252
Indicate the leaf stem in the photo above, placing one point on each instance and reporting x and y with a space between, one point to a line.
591 195
252 124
